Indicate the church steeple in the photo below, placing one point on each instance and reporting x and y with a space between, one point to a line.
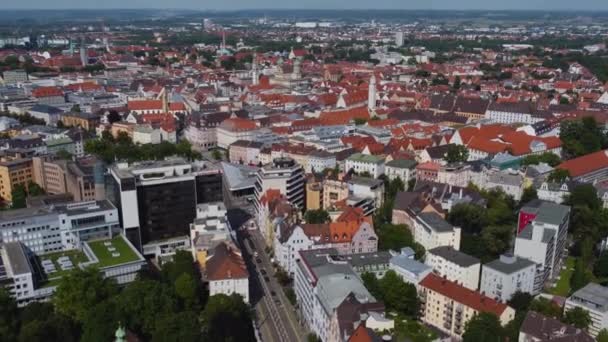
371 95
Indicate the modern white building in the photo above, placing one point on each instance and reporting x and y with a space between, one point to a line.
541 237
505 276
431 230
593 298
509 113
210 228
285 175
454 265
363 163
235 129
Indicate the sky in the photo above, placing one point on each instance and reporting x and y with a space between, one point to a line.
592 5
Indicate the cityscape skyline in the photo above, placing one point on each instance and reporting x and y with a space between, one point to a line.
559 5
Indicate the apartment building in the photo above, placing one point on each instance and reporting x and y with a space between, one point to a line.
226 272
455 266
321 284
541 237
334 191
505 276
448 306
363 163
431 230
593 298
14 172
401 168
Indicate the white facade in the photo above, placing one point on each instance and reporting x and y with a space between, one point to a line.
286 253
455 266
361 163
230 286
202 138
226 137
593 298
502 278
431 231
511 117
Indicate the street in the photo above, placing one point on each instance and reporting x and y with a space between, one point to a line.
276 317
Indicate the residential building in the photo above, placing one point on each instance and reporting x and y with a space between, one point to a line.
14 172
314 195
321 285
87 121
510 182
226 272
362 188
362 163
245 152
14 76
509 113
448 306
542 236
234 129
537 327
455 266
283 175
505 276
407 267
50 174
334 191
431 230
403 168
593 298
428 171
157 201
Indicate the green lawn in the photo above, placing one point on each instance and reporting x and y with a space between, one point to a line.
105 256
563 284
413 330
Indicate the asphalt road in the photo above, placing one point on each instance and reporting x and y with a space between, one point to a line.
276 317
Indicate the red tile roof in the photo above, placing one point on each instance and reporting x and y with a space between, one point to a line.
343 117
361 334
225 263
463 295
586 164
47 92
238 124
145 105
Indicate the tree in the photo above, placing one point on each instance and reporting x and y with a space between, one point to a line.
63 154
581 137
177 327
457 83
578 317
520 301
34 189
143 301
99 322
76 108
222 314
8 316
80 290
528 195
316 216
398 295
580 276
558 175
216 154
19 195
371 284
360 121
182 263
312 338
471 218
600 268
546 307
602 336
396 236
187 289
483 327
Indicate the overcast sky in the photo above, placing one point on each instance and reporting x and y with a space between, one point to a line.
312 4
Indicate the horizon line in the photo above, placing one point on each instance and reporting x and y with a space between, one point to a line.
309 9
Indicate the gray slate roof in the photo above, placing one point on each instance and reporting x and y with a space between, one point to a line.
452 255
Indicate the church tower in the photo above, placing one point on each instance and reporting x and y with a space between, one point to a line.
255 77
371 95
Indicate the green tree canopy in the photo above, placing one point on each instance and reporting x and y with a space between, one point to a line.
456 153
80 290
578 317
222 314
483 327
316 216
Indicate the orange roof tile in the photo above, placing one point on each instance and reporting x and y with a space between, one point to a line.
463 295
586 164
